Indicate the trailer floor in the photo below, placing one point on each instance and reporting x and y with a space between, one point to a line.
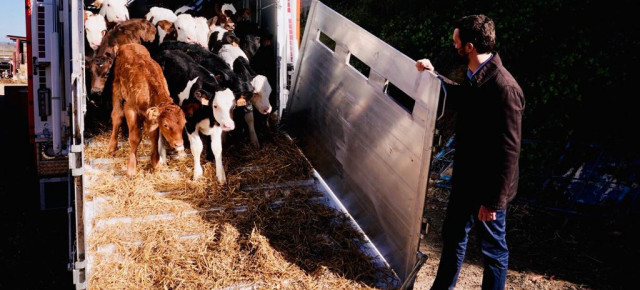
271 224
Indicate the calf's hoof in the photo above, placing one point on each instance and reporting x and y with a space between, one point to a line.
197 173
222 179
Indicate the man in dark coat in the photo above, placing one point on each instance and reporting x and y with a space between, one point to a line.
489 105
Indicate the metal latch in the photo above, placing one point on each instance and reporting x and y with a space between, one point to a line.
75 160
424 229
79 278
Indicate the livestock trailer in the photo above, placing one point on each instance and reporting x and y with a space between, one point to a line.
359 112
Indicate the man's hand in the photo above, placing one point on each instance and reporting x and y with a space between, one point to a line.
486 214
423 64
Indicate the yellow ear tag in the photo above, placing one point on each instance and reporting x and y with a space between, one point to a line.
204 102
241 102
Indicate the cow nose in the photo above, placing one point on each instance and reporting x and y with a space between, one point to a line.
96 93
267 111
179 146
228 126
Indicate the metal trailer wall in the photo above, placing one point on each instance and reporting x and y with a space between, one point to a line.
280 18
373 153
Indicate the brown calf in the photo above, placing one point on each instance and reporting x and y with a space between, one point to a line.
129 31
141 95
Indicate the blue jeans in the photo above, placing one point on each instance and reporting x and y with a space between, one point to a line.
455 231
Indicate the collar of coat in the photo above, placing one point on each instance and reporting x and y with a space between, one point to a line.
488 71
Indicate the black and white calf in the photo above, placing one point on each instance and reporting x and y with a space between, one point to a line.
207 106
213 63
237 59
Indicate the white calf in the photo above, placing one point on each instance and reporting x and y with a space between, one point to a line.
163 19
156 14
113 10
95 27
185 26
202 31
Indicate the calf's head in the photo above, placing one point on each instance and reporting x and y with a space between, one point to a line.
100 67
185 28
170 120
261 92
113 10
222 103
95 28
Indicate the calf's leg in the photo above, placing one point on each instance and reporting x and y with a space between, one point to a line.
134 140
196 150
155 144
248 117
216 147
116 121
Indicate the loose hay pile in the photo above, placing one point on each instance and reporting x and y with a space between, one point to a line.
164 231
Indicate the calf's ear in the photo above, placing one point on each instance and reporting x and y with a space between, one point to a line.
190 109
202 97
152 118
212 22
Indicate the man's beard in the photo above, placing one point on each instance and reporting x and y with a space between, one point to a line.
460 59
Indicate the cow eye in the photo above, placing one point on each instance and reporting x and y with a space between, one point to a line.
215 106
166 126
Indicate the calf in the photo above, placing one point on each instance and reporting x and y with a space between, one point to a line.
202 31
250 44
113 10
213 63
141 95
207 105
244 24
220 34
238 60
163 19
95 27
183 29
130 31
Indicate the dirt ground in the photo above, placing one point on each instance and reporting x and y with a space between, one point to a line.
548 250
11 81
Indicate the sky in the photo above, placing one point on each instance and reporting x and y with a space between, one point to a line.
12 19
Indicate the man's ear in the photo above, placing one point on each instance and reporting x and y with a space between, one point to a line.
468 48
152 118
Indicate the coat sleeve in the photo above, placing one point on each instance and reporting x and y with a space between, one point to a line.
512 101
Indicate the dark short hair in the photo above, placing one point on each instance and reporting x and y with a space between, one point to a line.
479 30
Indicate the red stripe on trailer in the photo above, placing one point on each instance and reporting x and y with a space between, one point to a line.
30 70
